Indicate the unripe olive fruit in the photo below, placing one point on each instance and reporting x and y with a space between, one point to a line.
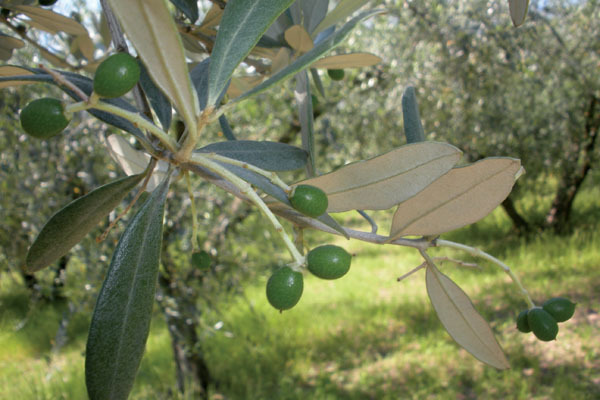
44 118
284 288
328 261
47 2
542 324
560 308
522 322
336 74
201 260
116 75
309 200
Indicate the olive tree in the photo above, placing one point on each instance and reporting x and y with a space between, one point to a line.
188 70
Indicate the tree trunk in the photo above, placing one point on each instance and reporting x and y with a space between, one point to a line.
572 178
520 225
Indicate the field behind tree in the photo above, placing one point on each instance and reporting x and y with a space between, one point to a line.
365 336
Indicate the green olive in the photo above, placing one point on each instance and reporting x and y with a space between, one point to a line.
284 288
560 308
309 200
47 3
522 322
542 324
116 75
44 118
336 74
201 259
328 261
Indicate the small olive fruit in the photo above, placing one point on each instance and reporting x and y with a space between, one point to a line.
47 2
542 324
309 200
336 74
560 308
201 259
116 75
284 288
44 118
328 261
522 322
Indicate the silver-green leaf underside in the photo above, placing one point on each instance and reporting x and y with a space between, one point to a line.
413 129
69 225
242 25
343 10
462 321
518 11
461 197
121 319
151 29
388 179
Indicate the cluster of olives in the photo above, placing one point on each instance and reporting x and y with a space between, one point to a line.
543 321
285 286
115 76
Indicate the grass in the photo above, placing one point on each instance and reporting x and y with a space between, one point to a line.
365 336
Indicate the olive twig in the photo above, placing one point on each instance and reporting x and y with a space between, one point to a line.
246 190
134 118
480 253
61 80
193 210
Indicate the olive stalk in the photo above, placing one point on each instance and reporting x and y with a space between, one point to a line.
246 190
480 253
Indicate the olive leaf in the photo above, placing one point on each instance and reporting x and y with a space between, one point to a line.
150 27
188 7
341 11
413 130
461 319
518 11
8 74
160 103
388 179
242 25
461 197
69 225
7 45
121 319
314 11
50 21
298 39
304 61
351 60
272 156
305 114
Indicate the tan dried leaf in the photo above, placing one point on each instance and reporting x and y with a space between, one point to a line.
352 60
298 39
388 179
462 321
50 21
461 197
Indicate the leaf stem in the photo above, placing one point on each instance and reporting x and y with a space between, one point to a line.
134 118
480 253
246 189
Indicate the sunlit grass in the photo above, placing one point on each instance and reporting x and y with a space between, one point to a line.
364 336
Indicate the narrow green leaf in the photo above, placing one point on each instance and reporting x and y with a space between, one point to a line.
388 179
413 130
314 12
317 81
152 31
462 321
188 7
242 25
272 156
518 11
343 9
160 103
305 113
226 128
304 61
461 197
121 319
258 181
69 225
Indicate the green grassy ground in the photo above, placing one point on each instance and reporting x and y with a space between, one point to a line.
365 336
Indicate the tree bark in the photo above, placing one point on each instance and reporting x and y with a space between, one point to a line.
572 178
520 225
